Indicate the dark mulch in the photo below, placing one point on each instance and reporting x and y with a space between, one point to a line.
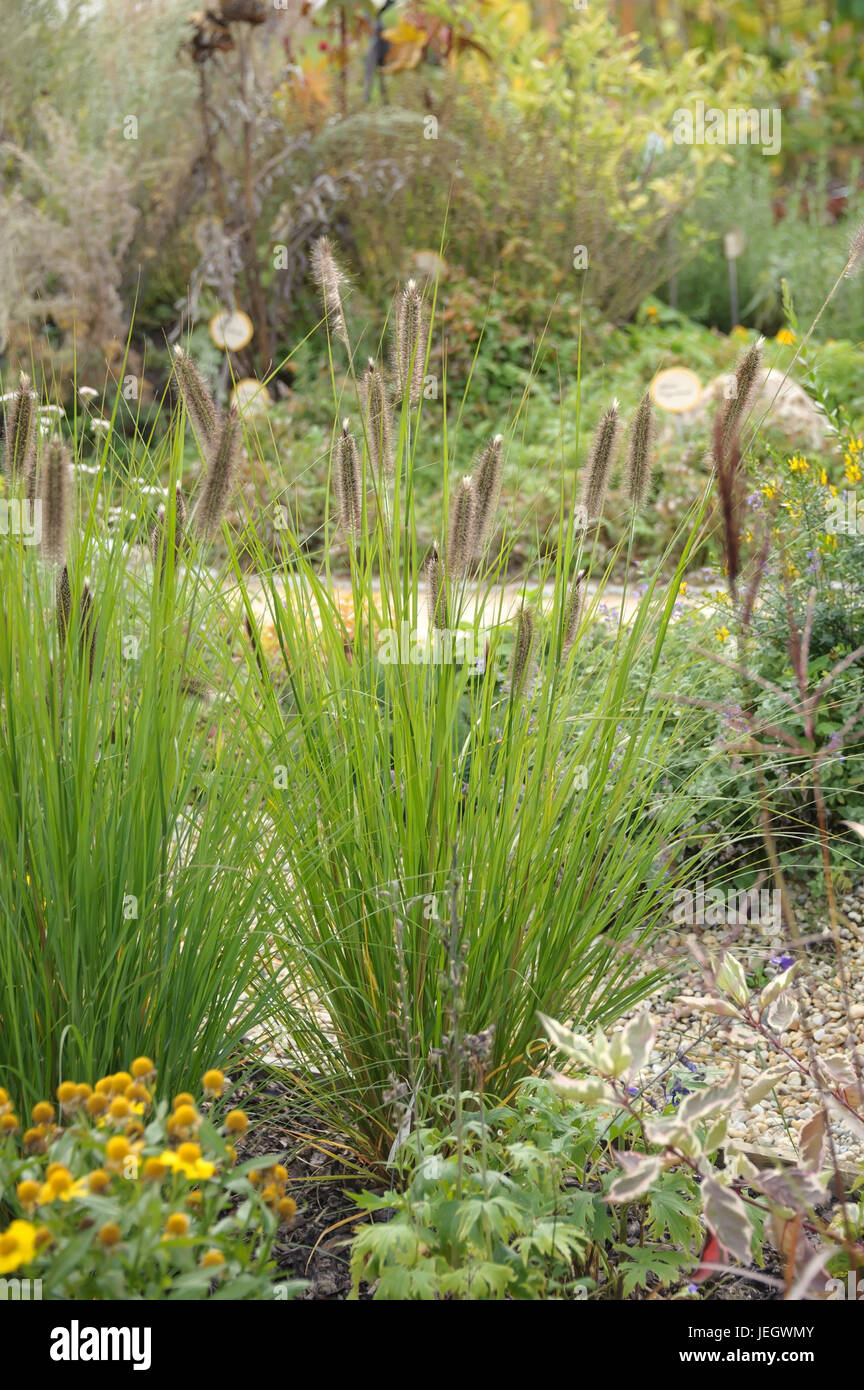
323 1171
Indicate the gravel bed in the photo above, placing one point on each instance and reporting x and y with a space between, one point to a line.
684 1052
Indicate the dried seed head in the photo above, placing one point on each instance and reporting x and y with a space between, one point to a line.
197 398
64 603
20 451
376 406
460 541
158 542
523 650
87 628
159 536
744 388
436 591
222 459
600 462
573 612
487 487
330 279
55 495
856 252
731 493
348 480
639 449
411 332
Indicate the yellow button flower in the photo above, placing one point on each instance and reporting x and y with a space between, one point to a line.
28 1194
191 1166
17 1246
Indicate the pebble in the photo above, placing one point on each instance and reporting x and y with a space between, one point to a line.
823 1027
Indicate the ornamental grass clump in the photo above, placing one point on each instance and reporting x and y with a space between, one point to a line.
456 745
120 861
111 1196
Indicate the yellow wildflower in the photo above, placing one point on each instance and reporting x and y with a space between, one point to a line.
177 1224
17 1246
188 1161
27 1193
722 633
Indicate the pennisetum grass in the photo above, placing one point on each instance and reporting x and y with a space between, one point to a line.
130 815
470 767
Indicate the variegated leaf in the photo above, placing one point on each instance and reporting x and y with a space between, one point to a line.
637 1180
700 1104
765 1085
728 1218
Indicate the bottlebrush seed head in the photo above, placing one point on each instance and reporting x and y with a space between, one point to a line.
330 279
20 450
222 458
436 591
639 451
348 480
376 407
460 542
55 493
600 462
64 603
523 650
411 332
487 488
197 398
573 611
744 389
856 252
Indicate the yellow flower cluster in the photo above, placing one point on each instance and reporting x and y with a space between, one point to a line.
117 1102
8 1119
272 1183
851 460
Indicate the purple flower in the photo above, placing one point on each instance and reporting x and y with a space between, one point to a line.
782 962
